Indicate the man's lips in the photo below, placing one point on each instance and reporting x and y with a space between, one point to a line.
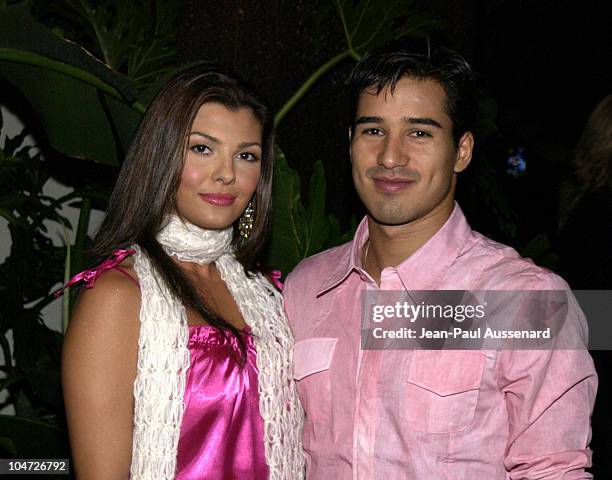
218 199
391 184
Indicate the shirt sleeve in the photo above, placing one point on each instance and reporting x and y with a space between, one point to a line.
549 397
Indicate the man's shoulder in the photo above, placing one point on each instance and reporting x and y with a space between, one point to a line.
314 270
500 266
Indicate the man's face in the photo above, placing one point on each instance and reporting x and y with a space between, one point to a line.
403 157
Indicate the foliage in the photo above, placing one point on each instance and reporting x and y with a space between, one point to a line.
27 275
135 38
541 249
68 89
300 231
373 22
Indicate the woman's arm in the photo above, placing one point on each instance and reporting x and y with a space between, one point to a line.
98 370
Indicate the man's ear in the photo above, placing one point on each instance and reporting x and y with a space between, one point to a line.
350 133
464 152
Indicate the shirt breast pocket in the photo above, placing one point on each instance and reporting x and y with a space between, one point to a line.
441 391
312 359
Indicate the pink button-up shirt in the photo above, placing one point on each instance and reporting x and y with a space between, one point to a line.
382 414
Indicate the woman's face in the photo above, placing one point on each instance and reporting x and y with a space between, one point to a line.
222 166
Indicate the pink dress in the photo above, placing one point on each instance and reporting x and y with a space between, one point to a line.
222 431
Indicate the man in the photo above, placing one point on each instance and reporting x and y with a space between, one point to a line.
393 414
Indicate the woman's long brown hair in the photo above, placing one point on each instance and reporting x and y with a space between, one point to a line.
150 176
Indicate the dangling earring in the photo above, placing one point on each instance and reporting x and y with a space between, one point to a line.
245 224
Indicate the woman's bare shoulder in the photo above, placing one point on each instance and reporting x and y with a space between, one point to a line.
112 302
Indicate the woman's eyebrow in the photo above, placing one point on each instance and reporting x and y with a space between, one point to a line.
207 136
249 144
216 141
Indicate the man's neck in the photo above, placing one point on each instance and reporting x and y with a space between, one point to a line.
390 245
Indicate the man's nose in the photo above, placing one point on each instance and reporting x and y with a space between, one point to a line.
393 154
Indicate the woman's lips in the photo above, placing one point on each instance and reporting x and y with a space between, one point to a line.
218 199
391 185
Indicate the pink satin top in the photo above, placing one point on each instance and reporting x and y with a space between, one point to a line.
222 431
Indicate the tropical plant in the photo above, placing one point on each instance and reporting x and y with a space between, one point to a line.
88 108
299 230
33 266
135 38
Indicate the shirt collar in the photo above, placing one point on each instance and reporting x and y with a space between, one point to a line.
424 269
350 259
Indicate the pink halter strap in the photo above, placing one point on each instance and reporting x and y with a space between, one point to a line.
91 275
275 277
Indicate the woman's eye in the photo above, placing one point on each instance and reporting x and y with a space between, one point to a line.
200 149
248 156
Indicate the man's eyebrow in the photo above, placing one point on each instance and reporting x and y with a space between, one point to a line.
423 121
368 120
410 120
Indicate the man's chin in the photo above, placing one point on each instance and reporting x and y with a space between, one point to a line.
392 219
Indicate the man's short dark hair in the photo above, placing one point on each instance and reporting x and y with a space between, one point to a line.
384 66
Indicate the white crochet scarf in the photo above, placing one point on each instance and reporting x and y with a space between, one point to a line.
163 357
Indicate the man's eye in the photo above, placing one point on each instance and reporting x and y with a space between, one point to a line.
200 149
248 156
420 134
372 131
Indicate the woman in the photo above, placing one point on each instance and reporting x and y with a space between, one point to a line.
177 363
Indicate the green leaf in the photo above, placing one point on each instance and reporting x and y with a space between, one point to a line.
12 200
368 23
154 52
21 32
7 382
86 109
287 236
69 111
336 237
7 445
298 231
541 250
23 405
318 224
364 24
124 119
136 38
11 144
37 354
